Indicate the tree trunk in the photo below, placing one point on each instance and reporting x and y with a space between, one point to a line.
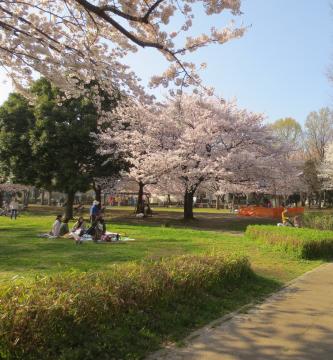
98 194
218 202
26 198
42 199
140 204
49 198
36 193
69 205
324 198
188 206
1 199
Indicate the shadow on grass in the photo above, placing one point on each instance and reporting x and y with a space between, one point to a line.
137 333
173 322
215 222
205 221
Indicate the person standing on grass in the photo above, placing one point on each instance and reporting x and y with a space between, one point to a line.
13 208
94 211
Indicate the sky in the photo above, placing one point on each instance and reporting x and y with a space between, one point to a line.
279 67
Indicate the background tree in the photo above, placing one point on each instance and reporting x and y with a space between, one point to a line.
319 133
311 180
289 131
16 121
60 153
326 174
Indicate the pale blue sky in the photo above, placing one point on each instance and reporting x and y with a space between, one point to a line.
279 67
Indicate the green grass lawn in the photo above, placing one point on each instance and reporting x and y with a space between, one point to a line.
24 255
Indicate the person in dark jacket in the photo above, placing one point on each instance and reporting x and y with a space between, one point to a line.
97 228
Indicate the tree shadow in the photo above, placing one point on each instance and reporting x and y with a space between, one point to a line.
202 221
272 330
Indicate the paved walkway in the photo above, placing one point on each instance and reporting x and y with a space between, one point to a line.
294 324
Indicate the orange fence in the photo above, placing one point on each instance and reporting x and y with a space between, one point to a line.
268 212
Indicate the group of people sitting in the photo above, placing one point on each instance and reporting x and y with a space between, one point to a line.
80 232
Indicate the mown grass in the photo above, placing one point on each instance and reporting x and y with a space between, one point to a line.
300 242
25 256
48 277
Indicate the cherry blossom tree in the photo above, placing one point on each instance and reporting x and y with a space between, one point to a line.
77 42
142 141
193 139
218 141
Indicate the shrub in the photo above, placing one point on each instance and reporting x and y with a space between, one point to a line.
304 243
318 221
110 315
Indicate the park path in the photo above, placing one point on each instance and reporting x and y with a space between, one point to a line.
294 324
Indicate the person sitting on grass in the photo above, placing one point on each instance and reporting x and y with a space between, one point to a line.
56 226
63 230
297 221
77 231
79 227
285 218
97 228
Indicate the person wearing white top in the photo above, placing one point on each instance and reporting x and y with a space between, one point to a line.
56 226
13 208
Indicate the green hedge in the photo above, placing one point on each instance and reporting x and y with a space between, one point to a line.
302 242
119 314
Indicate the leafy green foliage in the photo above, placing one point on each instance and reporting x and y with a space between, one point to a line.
303 243
289 131
121 313
310 177
16 121
49 144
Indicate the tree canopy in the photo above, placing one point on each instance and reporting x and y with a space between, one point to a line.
78 41
50 145
289 131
